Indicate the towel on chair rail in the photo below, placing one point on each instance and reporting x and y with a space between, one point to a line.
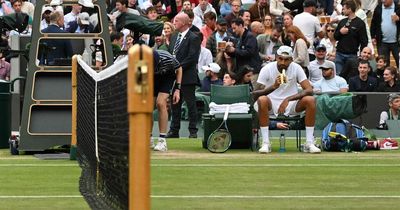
234 108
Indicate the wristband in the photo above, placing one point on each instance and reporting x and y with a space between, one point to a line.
178 86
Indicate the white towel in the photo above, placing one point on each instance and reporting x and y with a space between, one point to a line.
234 108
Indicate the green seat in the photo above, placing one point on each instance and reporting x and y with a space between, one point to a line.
239 125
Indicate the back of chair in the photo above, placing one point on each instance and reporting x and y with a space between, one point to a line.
230 94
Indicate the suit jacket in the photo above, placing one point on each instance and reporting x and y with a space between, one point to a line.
376 30
56 48
188 55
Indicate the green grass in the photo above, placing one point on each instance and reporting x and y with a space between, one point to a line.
189 177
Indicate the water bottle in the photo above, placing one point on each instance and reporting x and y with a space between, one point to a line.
282 143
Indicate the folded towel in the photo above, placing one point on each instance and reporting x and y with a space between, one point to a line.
234 108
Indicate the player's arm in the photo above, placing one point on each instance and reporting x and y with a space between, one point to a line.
267 90
177 88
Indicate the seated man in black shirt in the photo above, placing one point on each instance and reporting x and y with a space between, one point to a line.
362 82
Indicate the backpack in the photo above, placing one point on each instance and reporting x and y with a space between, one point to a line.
343 136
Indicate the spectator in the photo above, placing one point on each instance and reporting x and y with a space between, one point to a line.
225 8
244 76
235 12
286 98
363 82
363 16
229 79
28 8
268 24
257 28
226 62
53 49
314 68
301 44
217 37
351 35
192 19
268 45
129 42
246 52
117 41
329 41
351 67
259 10
330 82
309 25
277 8
202 9
168 30
187 8
392 113
380 67
5 8
245 15
5 68
390 80
211 77
385 29
210 19
287 21
81 25
72 16
46 11
205 56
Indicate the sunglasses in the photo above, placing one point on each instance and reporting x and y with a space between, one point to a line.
330 30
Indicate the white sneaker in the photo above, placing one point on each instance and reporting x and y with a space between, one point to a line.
311 148
161 145
56 2
266 148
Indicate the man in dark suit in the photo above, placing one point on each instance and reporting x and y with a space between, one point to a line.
185 46
51 49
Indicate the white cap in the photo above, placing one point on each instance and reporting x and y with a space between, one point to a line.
285 51
84 18
212 67
86 3
47 8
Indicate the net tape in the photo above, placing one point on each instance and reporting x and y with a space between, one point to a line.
102 135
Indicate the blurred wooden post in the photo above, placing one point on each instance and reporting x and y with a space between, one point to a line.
72 152
140 109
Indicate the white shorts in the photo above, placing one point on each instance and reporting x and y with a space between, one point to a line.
290 109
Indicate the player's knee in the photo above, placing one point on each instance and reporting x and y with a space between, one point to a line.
262 101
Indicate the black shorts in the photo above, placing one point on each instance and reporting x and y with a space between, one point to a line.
163 84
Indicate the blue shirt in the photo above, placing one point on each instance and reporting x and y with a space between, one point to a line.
206 84
387 26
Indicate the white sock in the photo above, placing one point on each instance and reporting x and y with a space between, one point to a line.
310 135
265 134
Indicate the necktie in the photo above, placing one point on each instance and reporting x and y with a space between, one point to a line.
177 43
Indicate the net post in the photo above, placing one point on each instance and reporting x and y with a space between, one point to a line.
140 109
74 82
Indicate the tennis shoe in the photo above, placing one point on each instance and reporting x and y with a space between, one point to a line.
266 148
311 148
388 144
152 145
161 145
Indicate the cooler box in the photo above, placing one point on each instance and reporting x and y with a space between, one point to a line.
239 125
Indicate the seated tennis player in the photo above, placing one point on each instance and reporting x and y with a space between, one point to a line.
167 80
282 97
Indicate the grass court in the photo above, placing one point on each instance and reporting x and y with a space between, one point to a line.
189 177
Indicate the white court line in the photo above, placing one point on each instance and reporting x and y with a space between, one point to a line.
275 196
37 165
40 196
276 165
215 165
213 196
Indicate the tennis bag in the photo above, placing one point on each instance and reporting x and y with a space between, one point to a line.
343 136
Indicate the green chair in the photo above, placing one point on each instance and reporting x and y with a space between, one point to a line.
239 125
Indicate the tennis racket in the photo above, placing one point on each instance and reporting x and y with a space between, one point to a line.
220 140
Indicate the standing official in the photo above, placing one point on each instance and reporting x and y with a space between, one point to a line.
185 46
